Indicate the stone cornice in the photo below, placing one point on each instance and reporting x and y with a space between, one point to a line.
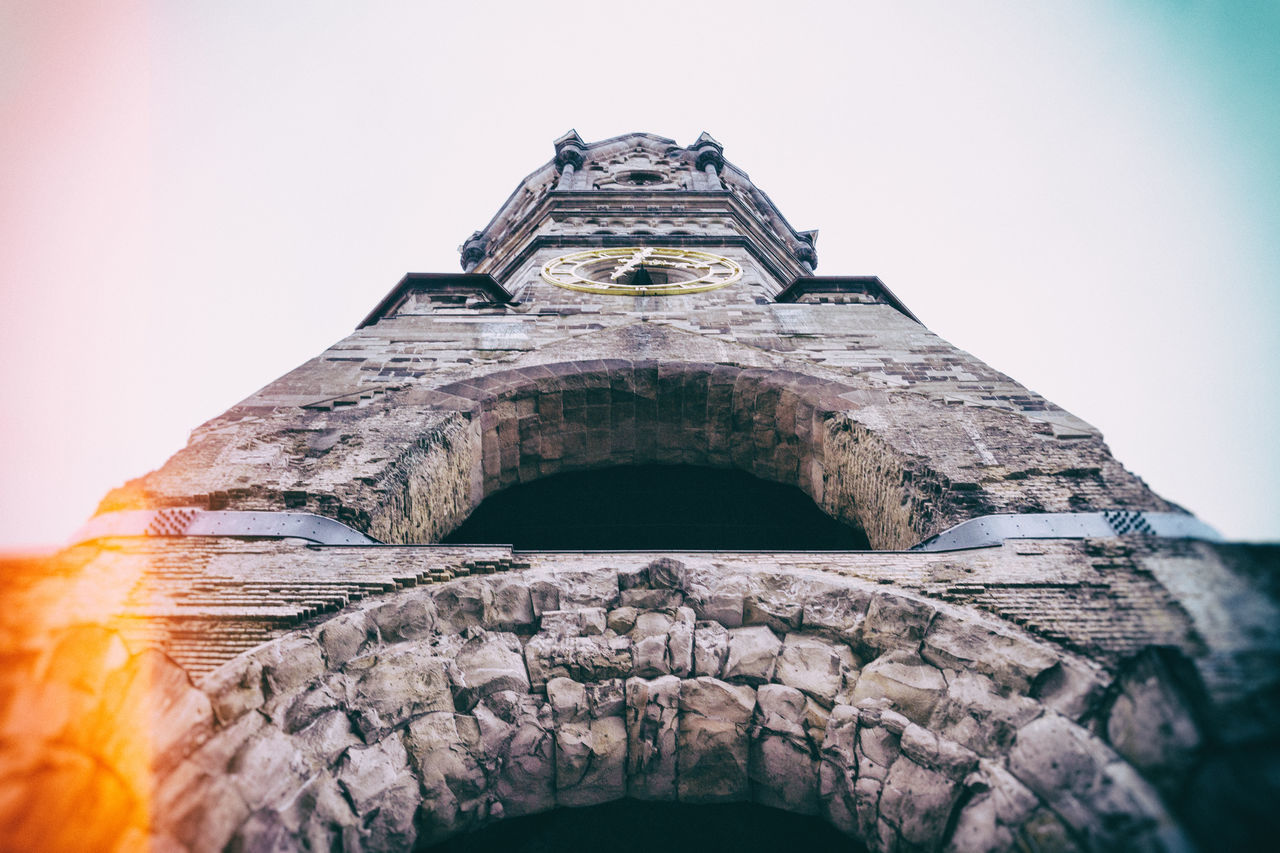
870 285
435 282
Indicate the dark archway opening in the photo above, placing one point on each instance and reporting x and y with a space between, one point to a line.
632 826
655 508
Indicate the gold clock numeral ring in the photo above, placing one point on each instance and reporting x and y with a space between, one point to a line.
642 271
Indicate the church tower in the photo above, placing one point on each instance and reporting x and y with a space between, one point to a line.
637 506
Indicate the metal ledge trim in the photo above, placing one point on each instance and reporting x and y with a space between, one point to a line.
188 521
988 530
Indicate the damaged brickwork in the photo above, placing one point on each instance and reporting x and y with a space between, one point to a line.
222 693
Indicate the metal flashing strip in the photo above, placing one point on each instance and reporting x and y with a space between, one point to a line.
982 532
188 521
988 530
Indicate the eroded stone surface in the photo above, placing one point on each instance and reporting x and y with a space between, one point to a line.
486 664
753 653
910 684
652 713
817 667
444 732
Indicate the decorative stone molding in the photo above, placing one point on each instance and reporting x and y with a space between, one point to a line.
473 251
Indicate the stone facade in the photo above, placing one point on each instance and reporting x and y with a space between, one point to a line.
211 693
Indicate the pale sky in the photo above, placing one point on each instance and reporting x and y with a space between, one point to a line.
195 197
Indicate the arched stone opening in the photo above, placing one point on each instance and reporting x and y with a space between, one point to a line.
778 425
655 508
637 826
903 723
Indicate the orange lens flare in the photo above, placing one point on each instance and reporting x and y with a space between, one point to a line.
88 715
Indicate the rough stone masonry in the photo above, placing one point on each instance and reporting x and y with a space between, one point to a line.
250 693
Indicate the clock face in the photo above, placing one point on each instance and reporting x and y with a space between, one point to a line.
642 271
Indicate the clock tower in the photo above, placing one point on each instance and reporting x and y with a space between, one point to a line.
637 511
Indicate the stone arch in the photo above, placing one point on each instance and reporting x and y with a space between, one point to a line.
906 723
779 425
643 826
655 508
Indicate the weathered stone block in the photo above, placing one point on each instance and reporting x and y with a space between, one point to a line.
781 710
837 613
717 700
652 715
149 719
1150 722
1086 784
650 644
202 811
1071 687
451 776
668 573
996 810
913 686
778 611
606 698
928 750
680 643
320 814
652 599
268 769
784 769
459 605
508 605
1012 662
345 636
917 802
723 607
395 684
579 658
324 739
516 740
289 663
713 761
586 589
544 595
581 622
838 769
591 762
568 700
817 667
633 577
974 713
487 663
714 751
379 784
710 649
784 774
326 695
235 688
878 748
622 619
753 653
894 622
412 615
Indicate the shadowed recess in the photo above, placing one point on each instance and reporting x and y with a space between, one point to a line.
632 826
654 508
